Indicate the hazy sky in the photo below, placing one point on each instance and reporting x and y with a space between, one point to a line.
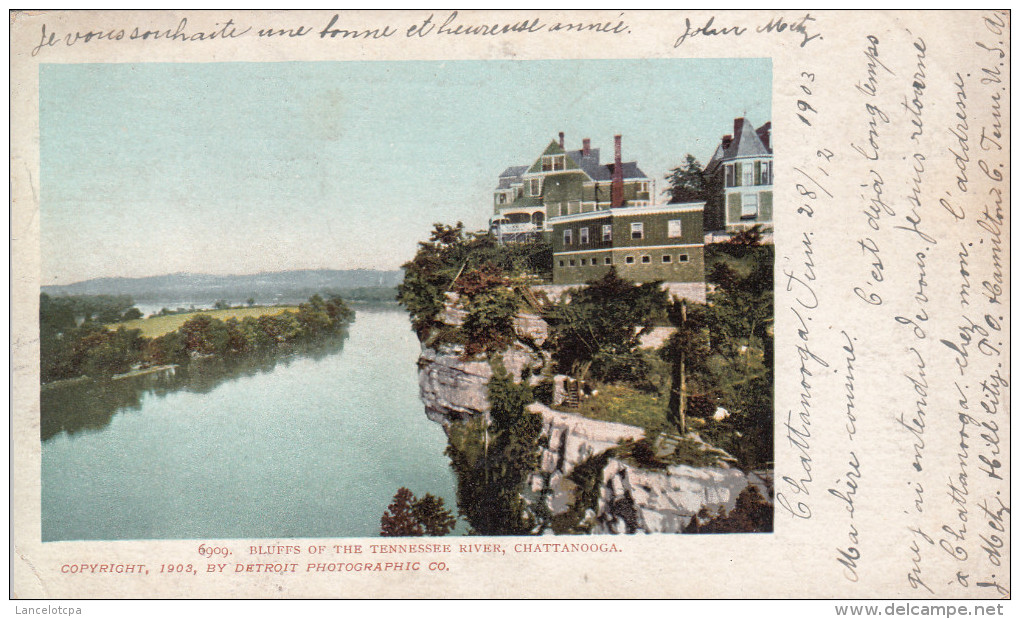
223 168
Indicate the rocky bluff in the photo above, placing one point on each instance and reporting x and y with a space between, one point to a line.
630 498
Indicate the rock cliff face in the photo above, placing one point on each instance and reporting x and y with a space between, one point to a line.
631 499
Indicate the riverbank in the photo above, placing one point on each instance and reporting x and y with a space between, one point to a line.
104 350
155 326
309 443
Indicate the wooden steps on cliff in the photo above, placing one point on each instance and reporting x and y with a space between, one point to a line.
572 393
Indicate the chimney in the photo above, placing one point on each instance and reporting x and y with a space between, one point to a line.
764 134
726 141
738 124
616 194
561 139
586 150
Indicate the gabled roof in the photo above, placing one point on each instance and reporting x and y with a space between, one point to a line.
514 170
589 163
596 172
746 142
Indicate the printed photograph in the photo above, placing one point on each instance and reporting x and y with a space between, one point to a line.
363 299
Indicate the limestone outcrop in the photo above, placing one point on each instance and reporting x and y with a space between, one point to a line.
631 498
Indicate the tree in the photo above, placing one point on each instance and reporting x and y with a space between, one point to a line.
688 351
601 326
687 182
398 520
739 318
451 255
411 516
132 314
430 513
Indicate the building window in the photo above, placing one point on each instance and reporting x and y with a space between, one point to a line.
683 257
561 264
629 259
568 237
674 229
572 263
584 235
766 172
749 206
502 198
748 171
666 258
607 233
646 259
584 262
637 230
730 176
552 163
535 187
643 187
608 260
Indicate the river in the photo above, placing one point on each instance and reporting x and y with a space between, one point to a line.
311 444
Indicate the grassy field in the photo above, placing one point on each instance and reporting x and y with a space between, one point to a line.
160 325
627 405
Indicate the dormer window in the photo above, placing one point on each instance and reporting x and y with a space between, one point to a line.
552 163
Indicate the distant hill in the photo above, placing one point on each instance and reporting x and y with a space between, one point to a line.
262 286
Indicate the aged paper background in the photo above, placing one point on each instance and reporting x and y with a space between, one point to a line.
927 433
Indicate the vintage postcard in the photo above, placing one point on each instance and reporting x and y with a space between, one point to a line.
438 303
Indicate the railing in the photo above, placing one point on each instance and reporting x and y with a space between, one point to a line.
516 228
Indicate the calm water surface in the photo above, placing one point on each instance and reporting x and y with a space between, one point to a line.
314 444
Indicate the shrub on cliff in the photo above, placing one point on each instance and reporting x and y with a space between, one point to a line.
601 325
453 259
493 460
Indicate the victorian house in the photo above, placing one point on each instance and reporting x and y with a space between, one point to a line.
742 165
599 217
562 182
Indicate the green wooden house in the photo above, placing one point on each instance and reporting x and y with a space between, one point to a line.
743 164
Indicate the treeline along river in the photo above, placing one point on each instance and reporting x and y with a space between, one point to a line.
310 443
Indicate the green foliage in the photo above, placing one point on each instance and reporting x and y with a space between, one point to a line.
687 182
493 460
103 309
408 515
507 399
751 514
430 513
451 255
624 404
727 348
601 325
492 304
69 351
398 520
687 349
